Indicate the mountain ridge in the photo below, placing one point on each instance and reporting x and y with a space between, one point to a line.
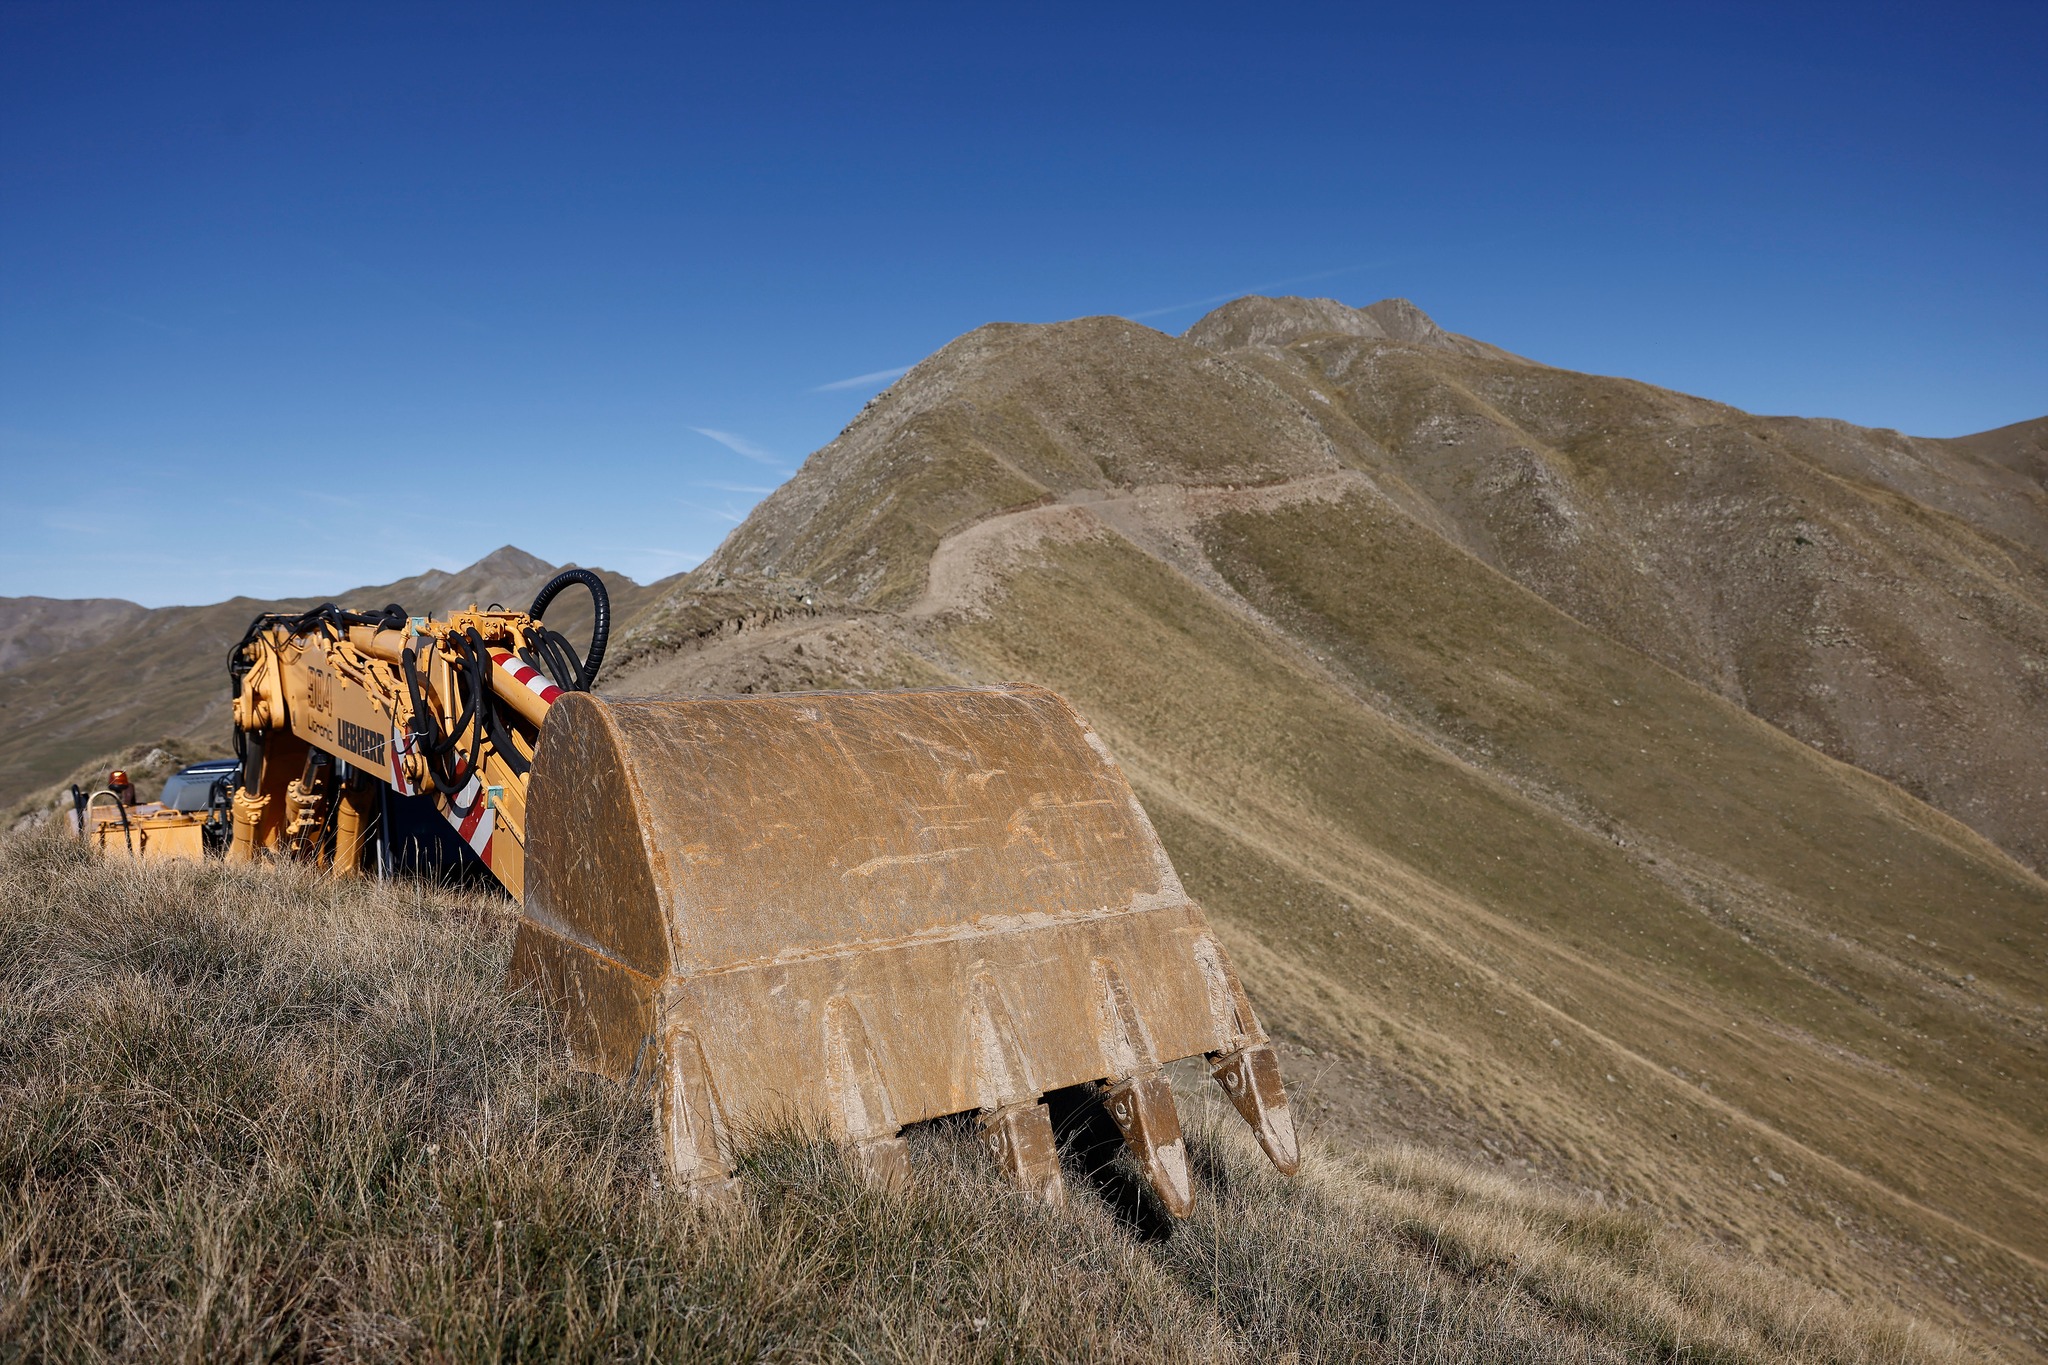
32 627
1546 475
1256 321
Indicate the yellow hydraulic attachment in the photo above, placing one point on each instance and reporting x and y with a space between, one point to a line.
863 909
111 824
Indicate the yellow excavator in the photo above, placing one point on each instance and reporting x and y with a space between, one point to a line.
861 909
191 821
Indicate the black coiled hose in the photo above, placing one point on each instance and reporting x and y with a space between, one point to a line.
552 649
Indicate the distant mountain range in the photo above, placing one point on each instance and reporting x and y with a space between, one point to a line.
1606 783
83 678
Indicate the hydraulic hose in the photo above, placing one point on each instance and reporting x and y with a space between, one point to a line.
488 723
600 627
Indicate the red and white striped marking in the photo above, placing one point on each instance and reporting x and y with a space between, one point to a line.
527 676
401 749
470 812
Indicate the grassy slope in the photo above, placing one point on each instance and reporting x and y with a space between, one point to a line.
1002 417
1741 977
165 676
2023 446
1882 598
34 626
251 1114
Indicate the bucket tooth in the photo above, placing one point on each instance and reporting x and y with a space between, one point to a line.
714 1191
1142 1107
1250 1076
859 1098
883 1162
1020 1139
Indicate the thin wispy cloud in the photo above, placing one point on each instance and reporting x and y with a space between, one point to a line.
1215 299
719 512
865 381
78 526
740 445
335 499
733 488
142 321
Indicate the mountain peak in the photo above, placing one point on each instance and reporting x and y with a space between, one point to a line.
1259 321
1403 321
510 560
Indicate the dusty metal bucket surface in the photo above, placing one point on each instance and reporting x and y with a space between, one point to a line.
871 909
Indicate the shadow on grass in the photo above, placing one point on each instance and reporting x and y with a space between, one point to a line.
1095 1159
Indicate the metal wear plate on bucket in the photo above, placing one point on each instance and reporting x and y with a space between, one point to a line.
870 909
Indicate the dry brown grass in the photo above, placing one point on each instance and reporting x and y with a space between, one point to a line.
251 1114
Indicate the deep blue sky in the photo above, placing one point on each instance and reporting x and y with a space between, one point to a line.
298 296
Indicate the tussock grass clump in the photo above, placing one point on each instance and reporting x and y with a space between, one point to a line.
252 1114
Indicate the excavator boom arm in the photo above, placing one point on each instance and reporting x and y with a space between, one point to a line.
330 704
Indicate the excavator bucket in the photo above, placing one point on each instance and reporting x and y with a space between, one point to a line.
870 909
